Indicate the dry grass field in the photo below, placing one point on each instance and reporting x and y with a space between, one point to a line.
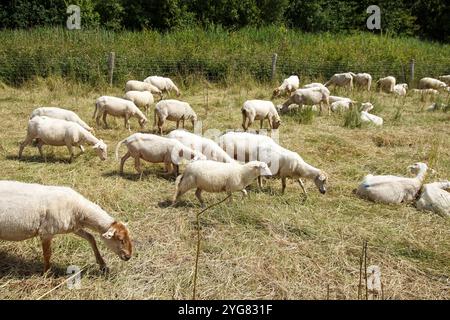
267 246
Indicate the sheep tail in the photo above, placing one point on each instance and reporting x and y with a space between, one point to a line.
118 147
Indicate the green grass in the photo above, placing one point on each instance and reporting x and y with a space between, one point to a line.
265 246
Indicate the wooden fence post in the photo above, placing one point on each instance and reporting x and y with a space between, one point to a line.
111 65
274 66
411 74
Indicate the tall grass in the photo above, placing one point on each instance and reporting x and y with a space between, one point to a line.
214 54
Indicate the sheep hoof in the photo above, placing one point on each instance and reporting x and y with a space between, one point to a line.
104 269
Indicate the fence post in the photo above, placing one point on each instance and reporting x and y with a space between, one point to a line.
111 65
411 74
274 66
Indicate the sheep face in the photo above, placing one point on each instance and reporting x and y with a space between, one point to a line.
276 93
261 167
101 148
417 167
118 240
321 182
276 123
142 122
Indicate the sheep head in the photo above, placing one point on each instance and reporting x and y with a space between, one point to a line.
102 149
262 168
117 239
143 122
276 93
321 182
418 167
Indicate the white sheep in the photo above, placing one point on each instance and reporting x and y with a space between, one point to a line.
173 110
156 149
435 198
212 176
206 146
393 189
59 113
283 163
118 107
362 80
56 132
431 83
401 89
334 99
341 80
165 85
135 85
260 110
341 105
34 210
445 79
313 85
310 97
386 84
288 86
368 117
142 99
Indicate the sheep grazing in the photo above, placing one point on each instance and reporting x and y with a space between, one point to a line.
260 110
283 163
212 176
173 110
393 189
368 117
142 99
207 147
118 107
312 96
165 85
288 86
156 149
313 85
445 79
31 210
362 80
135 85
386 84
431 83
341 80
56 132
401 89
435 198
58 113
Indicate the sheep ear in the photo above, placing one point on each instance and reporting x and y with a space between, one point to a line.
109 234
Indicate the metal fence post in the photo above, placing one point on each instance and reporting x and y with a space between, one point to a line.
411 75
111 65
274 66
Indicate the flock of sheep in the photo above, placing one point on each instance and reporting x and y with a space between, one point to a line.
227 165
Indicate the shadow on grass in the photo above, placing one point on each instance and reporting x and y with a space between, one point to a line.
39 159
17 267
137 176
167 204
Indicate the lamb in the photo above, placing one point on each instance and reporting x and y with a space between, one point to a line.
341 80
173 110
119 108
393 189
260 110
142 99
445 79
288 86
362 80
431 83
56 132
135 85
31 210
156 149
434 198
368 117
341 105
59 113
400 89
386 84
312 96
212 176
206 146
165 85
283 163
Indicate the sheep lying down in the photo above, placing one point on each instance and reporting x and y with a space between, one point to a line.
435 198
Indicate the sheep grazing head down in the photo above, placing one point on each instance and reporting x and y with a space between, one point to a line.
321 182
118 240
101 149
142 122
276 123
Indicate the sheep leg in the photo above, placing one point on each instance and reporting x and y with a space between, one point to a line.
81 148
244 193
198 194
69 147
46 251
261 123
90 238
270 123
303 186
182 123
122 161
41 152
27 141
104 119
260 182
137 165
283 185
127 122
178 124
160 125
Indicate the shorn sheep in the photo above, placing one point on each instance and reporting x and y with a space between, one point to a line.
207 147
59 113
310 97
362 80
142 99
56 132
431 83
393 189
288 86
435 198
401 89
212 176
368 117
173 110
313 85
445 79
166 85
386 84
118 107
156 149
341 80
34 210
135 85
260 110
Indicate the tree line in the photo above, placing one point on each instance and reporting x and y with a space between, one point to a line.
427 19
